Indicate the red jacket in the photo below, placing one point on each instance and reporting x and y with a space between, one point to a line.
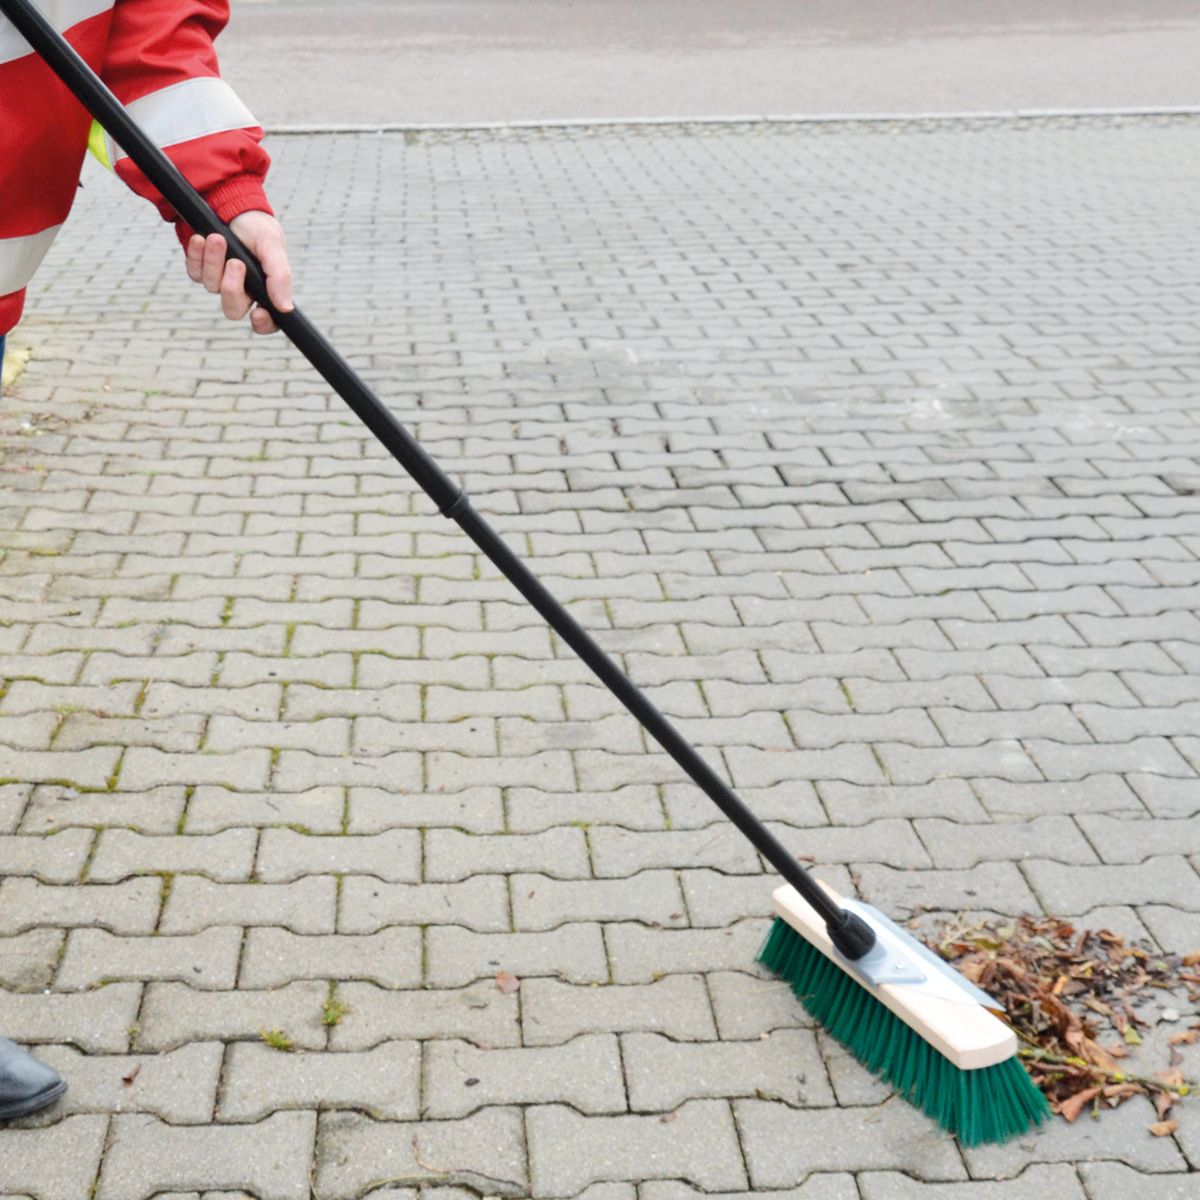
158 57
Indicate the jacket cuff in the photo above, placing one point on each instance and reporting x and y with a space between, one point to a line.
238 195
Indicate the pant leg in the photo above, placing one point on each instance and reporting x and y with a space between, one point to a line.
2 337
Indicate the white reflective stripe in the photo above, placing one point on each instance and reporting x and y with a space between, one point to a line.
62 15
21 256
187 110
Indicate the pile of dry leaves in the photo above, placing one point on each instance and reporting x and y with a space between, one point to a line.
1077 999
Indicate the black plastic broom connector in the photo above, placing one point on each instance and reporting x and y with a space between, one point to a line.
852 936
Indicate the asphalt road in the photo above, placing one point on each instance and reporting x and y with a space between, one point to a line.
468 61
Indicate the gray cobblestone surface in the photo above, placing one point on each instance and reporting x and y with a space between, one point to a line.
872 451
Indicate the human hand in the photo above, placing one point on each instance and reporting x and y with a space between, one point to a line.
263 237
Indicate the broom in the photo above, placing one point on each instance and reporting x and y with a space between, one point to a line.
894 1004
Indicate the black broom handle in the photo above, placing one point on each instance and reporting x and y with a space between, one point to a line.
853 936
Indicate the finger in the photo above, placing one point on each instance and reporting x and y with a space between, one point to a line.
279 274
214 262
261 321
235 304
195 257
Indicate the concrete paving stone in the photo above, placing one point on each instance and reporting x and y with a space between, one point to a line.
1098 687
58 1162
125 908
585 1072
98 1022
792 802
451 854
259 1080
750 1004
816 1187
1116 1181
480 903
1166 879
736 666
78 768
317 810
28 960
286 854
400 702
818 731
383 671
617 732
1094 793
568 1151
1049 721
1172 930
179 1088
620 853
175 1014
14 799
963 692
485 1153
54 858
472 735
391 958
1121 724
270 1159
49 669
924 665
851 804
890 840
756 768
554 1011
1078 660
1120 1137
954 845
1033 1183
120 853
715 900
240 669
781 1065
193 670
480 1014
1005 758
31 731
30 696
1129 840
194 903
531 810
785 1145
205 960
298 770
455 956
53 807
542 903
258 702
1165 797
726 698
538 702
551 769
1152 688
228 735
176 735
144 767
1117 631
475 809
641 955
998 886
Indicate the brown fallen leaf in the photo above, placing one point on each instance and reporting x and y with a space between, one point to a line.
1186 1038
1072 1106
507 983
130 1075
1163 1128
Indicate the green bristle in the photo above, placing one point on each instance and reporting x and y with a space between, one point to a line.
991 1104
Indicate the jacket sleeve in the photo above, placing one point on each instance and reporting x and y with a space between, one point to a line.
161 64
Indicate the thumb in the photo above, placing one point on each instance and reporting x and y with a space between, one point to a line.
275 264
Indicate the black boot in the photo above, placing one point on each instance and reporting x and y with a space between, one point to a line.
26 1085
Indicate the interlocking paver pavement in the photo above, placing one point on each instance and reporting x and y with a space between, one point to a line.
872 450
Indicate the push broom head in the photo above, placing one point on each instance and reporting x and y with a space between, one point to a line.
910 1018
